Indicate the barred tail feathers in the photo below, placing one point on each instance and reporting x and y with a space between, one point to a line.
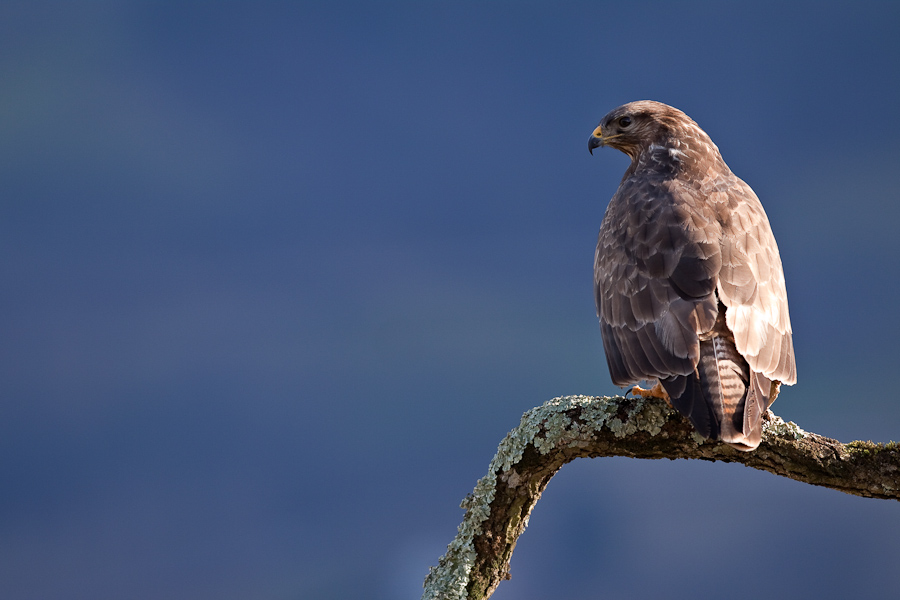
723 399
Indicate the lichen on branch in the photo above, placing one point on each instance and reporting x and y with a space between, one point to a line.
570 427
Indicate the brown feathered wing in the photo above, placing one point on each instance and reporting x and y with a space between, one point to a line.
690 291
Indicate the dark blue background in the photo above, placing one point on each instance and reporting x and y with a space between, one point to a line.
278 277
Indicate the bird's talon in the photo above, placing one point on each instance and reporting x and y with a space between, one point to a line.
657 391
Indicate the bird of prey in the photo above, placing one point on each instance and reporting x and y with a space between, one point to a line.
687 277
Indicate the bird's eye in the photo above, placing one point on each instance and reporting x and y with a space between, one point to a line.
624 122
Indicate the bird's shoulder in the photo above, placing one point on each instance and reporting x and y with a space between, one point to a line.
682 209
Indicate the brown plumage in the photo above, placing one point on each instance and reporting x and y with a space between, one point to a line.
687 277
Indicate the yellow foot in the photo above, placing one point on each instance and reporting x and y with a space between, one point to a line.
656 391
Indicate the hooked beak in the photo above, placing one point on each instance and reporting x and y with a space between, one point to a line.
596 140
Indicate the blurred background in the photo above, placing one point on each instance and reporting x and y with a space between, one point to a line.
277 278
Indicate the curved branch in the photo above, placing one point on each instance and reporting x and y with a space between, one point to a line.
567 428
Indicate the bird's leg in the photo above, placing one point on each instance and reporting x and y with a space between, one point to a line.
656 391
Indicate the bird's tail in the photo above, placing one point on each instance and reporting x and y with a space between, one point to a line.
723 398
736 396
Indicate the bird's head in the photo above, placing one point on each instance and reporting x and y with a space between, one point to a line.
633 127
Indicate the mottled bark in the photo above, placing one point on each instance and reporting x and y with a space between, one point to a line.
567 428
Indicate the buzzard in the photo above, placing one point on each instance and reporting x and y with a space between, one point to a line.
687 277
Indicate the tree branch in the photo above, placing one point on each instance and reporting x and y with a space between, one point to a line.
567 428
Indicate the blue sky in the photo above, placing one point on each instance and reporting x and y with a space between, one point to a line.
278 278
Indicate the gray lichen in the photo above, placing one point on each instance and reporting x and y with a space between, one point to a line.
776 425
644 416
449 579
559 430
575 422
546 427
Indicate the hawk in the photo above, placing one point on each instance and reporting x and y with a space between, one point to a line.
687 278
